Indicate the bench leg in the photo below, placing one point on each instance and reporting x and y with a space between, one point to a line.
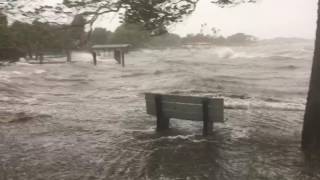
207 128
207 123
116 55
162 122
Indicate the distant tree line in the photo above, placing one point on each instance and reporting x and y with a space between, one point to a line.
135 35
33 40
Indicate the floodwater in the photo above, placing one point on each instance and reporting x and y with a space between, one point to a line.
78 121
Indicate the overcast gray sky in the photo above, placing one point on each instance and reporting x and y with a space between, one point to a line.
265 19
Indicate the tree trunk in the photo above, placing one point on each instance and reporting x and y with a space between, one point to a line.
311 125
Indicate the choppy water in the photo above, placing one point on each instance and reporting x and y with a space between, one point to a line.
78 121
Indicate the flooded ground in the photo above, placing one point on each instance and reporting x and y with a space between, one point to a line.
79 121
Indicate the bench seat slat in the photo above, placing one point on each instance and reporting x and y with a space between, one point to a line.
179 111
187 111
177 99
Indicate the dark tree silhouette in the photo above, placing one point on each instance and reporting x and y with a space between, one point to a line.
3 20
311 125
4 32
133 34
100 36
241 38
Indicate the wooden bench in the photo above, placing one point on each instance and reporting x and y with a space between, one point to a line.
118 51
164 107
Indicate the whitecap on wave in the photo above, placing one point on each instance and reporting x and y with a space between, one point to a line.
253 103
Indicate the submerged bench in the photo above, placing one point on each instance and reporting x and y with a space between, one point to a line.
118 51
164 107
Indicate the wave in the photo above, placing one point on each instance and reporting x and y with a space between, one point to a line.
280 58
289 67
247 102
229 53
225 53
266 104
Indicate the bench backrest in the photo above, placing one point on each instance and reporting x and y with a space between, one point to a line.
186 107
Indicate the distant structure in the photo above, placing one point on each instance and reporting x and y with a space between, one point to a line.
118 51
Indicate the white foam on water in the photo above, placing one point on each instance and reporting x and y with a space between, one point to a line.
23 64
39 71
232 103
4 77
225 53
107 111
151 129
81 56
16 72
243 133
